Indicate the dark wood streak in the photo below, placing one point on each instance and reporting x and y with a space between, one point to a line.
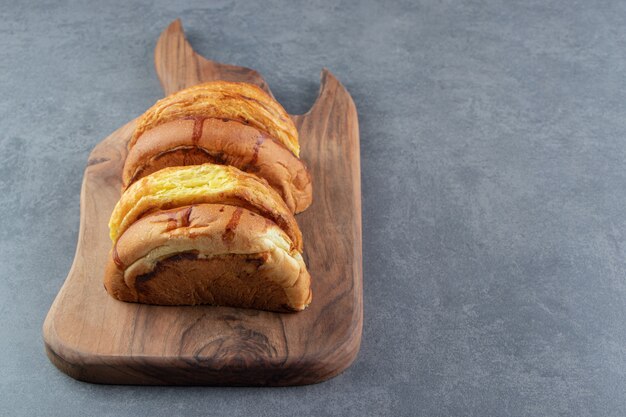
93 337
97 161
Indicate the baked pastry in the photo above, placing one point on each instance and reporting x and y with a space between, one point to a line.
216 184
197 141
242 102
211 183
208 254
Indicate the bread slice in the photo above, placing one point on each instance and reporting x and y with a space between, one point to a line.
243 102
208 183
197 141
208 254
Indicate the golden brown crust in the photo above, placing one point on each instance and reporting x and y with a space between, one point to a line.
198 141
244 102
200 255
217 184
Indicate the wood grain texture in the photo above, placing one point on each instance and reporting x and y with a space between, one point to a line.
93 337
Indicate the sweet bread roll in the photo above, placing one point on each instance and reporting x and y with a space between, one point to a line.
242 102
208 254
198 141
216 184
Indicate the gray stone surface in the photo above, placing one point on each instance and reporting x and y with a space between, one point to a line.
493 140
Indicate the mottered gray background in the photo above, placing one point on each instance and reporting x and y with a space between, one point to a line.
493 145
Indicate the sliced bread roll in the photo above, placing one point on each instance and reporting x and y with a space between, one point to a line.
211 183
242 102
209 140
208 254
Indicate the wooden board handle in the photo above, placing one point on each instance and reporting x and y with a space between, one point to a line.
178 66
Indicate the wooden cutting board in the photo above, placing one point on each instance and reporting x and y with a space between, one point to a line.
92 337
